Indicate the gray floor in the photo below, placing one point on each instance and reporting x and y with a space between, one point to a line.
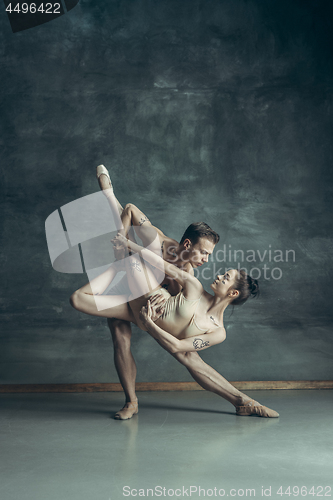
66 446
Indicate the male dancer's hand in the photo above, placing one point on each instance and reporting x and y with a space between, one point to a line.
154 309
120 240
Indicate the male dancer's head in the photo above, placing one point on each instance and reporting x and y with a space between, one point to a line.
197 244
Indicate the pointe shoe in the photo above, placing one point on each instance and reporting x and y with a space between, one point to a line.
102 170
251 409
127 411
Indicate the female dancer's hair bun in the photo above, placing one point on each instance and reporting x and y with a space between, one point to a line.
246 287
253 286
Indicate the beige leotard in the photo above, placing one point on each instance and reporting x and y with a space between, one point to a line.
178 317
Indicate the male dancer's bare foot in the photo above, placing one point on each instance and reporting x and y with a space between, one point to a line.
131 408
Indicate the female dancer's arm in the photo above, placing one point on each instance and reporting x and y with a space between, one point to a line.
174 345
192 287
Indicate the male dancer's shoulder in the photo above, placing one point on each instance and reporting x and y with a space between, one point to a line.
189 268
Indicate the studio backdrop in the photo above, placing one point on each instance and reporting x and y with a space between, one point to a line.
217 111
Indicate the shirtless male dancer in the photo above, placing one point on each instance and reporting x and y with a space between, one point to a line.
196 245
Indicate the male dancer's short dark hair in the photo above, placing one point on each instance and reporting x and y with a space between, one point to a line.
200 230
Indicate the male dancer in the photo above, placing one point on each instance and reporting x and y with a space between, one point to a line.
196 245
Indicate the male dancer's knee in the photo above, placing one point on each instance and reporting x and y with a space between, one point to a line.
121 333
129 209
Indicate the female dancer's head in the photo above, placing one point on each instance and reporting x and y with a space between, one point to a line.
235 285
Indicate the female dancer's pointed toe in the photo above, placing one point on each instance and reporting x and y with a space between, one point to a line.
102 170
259 410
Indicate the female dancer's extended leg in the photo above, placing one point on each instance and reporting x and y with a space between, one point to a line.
106 184
130 215
142 278
89 298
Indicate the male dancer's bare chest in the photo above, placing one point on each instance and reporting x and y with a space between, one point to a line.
171 285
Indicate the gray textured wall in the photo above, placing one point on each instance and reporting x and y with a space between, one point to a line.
203 110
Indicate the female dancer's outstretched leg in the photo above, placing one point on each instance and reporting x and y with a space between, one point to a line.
130 215
142 278
106 184
89 298
210 379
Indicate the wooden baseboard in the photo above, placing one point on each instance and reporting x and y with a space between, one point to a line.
165 386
